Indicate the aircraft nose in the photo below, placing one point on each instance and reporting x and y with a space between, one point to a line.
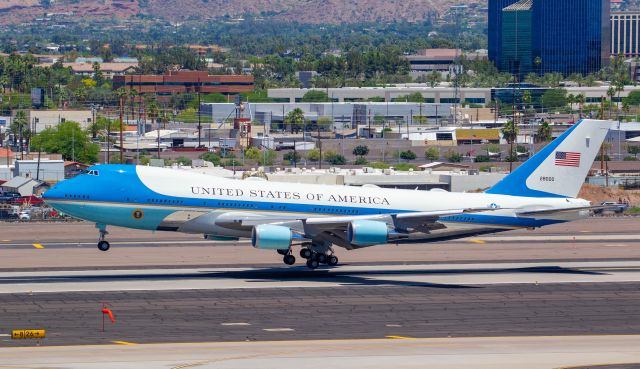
55 192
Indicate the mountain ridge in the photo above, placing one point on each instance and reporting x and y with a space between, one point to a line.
302 11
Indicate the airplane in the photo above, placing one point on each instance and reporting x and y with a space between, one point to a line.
277 216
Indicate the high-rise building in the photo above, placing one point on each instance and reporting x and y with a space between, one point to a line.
495 29
625 34
544 36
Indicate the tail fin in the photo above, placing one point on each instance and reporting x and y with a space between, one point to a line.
559 169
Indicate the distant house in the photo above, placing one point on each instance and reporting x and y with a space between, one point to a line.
109 70
437 166
465 136
25 186
6 156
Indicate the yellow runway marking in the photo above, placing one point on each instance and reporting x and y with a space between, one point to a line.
5 240
479 242
399 337
124 343
38 246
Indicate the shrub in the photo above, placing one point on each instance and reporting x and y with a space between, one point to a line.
360 161
432 154
453 157
408 155
482 159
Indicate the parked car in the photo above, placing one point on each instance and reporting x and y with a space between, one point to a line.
24 215
612 206
27 200
6 197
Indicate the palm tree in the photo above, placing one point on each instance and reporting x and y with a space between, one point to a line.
19 128
580 100
544 133
296 119
510 133
571 99
611 93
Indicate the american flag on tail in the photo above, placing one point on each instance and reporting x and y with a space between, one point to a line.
567 159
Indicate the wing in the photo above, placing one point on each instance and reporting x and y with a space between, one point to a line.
322 228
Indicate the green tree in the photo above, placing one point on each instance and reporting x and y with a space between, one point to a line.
313 155
432 153
633 99
20 129
315 96
334 158
296 119
611 92
414 98
453 156
268 157
633 150
69 140
510 132
408 155
252 153
325 123
554 98
544 133
434 78
292 157
211 157
361 151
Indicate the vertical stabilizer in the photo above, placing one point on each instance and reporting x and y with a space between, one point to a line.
559 169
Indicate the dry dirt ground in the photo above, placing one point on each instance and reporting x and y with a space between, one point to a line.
597 194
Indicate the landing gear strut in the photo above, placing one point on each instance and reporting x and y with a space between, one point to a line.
103 245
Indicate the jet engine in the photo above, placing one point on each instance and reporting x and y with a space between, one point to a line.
367 233
271 237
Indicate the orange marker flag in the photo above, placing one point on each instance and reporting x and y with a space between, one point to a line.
109 313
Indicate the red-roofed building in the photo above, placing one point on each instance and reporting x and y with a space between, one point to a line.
185 81
6 156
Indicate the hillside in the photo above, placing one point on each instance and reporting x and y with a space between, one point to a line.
304 11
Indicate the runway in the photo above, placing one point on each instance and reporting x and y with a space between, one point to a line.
560 296
348 302
453 353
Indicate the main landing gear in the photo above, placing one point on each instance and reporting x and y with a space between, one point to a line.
315 255
318 254
103 245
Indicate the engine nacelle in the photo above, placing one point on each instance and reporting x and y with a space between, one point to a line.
271 237
367 232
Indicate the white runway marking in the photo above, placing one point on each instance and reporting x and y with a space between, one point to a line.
235 324
300 277
278 329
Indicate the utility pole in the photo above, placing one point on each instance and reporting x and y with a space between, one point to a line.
199 118
121 128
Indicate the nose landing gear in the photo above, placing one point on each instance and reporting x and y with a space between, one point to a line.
103 245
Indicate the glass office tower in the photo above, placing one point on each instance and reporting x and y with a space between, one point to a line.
495 29
568 36
516 38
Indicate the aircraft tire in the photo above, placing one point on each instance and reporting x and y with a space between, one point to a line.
103 245
283 251
332 260
305 253
289 259
312 264
322 258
